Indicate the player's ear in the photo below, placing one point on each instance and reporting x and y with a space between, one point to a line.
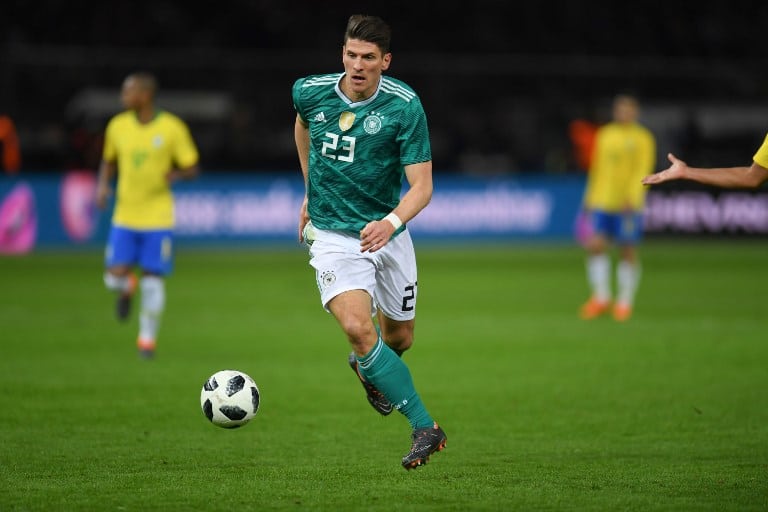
385 61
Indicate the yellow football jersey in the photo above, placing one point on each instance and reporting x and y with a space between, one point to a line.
145 154
623 155
761 157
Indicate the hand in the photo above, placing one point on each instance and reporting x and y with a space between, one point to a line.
186 173
175 175
303 219
375 235
673 172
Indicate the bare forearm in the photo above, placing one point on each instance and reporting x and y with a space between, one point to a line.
727 177
106 172
415 200
187 173
419 192
376 233
301 136
103 190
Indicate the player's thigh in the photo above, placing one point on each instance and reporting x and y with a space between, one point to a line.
122 247
605 224
156 253
340 266
630 229
396 279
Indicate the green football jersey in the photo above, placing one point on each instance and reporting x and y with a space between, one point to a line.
358 149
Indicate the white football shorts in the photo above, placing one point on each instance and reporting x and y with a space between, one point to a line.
388 275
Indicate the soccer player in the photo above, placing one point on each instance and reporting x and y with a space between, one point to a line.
724 177
357 134
624 152
149 149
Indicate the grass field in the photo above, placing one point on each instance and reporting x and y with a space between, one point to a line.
543 411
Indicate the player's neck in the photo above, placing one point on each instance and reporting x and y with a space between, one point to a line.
356 96
145 114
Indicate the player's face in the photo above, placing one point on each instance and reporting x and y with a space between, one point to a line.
625 110
133 95
363 63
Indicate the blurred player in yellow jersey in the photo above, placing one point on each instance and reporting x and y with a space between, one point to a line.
148 149
624 153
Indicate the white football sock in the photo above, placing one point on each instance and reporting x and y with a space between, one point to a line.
628 278
116 283
599 276
152 306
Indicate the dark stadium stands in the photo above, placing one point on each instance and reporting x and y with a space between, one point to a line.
500 81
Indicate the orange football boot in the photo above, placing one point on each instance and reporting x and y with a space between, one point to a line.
593 308
622 312
146 348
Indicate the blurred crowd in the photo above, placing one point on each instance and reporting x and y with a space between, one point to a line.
501 82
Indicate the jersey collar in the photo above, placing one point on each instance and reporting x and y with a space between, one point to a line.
155 115
351 103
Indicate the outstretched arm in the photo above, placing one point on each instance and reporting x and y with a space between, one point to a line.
725 177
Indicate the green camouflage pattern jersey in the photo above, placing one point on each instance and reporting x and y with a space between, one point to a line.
358 149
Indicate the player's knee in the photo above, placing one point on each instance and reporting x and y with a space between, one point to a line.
400 345
629 255
596 245
360 332
111 281
115 281
399 338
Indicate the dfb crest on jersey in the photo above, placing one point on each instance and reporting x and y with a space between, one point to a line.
372 124
345 120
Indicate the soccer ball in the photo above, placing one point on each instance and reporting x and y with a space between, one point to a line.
229 398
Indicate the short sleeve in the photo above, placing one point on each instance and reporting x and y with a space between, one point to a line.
296 94
761 157
109 152
185 152
414 134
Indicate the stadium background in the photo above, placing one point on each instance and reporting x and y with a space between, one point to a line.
543 410
500 82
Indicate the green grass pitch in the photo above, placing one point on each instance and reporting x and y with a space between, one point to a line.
543 411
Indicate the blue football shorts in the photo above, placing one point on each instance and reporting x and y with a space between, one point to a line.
150 250
624 228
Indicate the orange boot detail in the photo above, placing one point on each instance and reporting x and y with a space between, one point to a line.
622 312
593 308
146 348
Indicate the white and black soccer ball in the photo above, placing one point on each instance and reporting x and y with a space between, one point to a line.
230 398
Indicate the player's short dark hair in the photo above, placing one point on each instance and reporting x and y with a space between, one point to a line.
627 96
370 29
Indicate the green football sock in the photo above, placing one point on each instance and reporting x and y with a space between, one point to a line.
385 370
